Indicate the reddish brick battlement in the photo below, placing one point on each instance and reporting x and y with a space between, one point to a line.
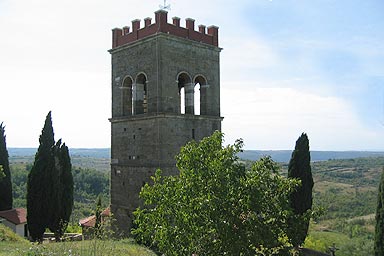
125 36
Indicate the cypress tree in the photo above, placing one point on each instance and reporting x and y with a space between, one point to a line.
66 186
39 183
379 230
50 186
98 212
6 199
63 194
301 199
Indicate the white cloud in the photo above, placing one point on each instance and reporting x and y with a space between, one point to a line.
273 118
54 57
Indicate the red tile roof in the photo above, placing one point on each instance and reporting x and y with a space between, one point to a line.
91 220
88 222
16 216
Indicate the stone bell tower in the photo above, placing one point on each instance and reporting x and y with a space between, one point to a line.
165 92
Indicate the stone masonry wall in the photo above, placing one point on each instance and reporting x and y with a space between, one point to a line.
144 142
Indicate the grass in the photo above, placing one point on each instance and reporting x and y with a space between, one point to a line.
7 235
14 245
322 241
81 248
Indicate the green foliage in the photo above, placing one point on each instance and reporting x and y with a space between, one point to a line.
301 199
83 248
7 235
88 184
39 184
216 206
98 211
2 175
6 199
62 190
322 241
379 229
49 186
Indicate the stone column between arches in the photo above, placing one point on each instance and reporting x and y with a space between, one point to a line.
189 90
138 98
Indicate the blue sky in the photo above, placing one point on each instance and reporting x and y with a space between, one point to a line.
287 67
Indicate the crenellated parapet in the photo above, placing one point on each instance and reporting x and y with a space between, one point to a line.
125 36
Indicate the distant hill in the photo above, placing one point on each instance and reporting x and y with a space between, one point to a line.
277 155
80 152
283 156
94 158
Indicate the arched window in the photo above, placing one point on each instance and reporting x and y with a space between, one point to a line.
201 97
139 95
127 96
186 93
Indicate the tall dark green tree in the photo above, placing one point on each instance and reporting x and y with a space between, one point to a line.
379 230
49 186
5 183
62 190
98 212
301 199
38 185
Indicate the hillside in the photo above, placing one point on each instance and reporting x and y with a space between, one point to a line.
346 189
95 158
283 156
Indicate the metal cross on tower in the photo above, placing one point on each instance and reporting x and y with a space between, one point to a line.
165 6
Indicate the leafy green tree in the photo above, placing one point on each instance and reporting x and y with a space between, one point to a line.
301 199
6 199
49 186
379 229
216 206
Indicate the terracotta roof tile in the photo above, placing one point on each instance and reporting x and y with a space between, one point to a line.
91 220
16 215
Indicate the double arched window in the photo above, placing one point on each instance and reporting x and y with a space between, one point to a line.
134 95
189 101
192 95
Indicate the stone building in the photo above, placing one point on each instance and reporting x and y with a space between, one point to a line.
165 92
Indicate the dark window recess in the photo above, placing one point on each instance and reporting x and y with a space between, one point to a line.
193 133
123 183
134 136
139 129
129 157
125 129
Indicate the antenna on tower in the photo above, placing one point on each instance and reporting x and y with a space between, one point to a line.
165 6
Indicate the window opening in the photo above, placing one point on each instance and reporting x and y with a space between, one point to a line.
140 101
186 94
127 97
197 102
201 102
182 100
